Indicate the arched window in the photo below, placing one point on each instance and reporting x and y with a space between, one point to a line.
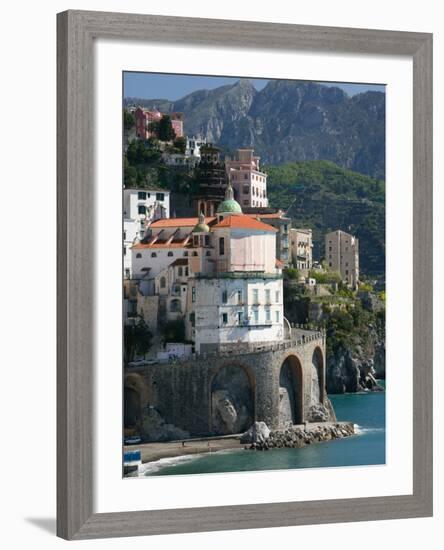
138 255
153 255
194 253
185 253
175 306
170 253
162 282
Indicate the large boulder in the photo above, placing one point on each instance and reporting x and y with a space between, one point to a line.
257 433
154 427
318 413
224 412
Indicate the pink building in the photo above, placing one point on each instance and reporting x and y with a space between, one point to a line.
144 117
248 182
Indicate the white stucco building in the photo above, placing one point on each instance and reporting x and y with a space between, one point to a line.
140 208
235 294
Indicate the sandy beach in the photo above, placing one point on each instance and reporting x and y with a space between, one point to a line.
155 451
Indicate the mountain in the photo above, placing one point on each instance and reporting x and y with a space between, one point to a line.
288 121
324 197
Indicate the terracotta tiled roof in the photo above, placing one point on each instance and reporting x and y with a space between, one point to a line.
244 222
162 244
179 222
179 261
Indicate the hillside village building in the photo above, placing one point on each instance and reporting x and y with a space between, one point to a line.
219 274
302 249
144 117
342 255
248 182
140 207
190 158
282 224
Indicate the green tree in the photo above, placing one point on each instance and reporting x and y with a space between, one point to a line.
291 273
181 144
129 120
136 339
174 331
166 130
153 127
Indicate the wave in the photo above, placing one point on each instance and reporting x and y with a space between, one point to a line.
152 467
360 430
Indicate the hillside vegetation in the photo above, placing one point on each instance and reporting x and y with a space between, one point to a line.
323 196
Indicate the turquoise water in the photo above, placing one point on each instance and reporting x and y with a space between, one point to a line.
367 410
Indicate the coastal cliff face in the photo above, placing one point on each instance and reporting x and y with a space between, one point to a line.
355 364
355 334
351 371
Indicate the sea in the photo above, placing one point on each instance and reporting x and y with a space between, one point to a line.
366 410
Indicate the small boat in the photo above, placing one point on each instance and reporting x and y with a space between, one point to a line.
132 440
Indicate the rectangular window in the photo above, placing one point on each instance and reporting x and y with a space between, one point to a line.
277 317
267 296
141 209
207 240
141 195
221 246
160 197
256 316
278 296
267 315
224 297
239 296
186 272
193 294
255 296
224 318
240 317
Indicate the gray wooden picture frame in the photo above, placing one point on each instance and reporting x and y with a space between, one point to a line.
76 32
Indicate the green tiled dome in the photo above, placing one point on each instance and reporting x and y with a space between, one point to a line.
229 205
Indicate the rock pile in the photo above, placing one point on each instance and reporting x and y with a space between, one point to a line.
295 436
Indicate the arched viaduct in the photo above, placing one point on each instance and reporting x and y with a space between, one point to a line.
276 384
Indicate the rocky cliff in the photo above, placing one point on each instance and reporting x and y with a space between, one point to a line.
288 120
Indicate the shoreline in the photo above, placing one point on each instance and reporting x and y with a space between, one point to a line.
152 452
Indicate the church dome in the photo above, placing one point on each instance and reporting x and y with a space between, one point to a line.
201 227
229 205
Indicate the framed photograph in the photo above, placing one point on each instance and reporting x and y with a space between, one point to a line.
244 275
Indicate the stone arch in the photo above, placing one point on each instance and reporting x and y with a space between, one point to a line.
232 399
132 409
291 407
317 376
135 397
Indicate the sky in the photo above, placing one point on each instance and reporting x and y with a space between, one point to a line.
173 86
